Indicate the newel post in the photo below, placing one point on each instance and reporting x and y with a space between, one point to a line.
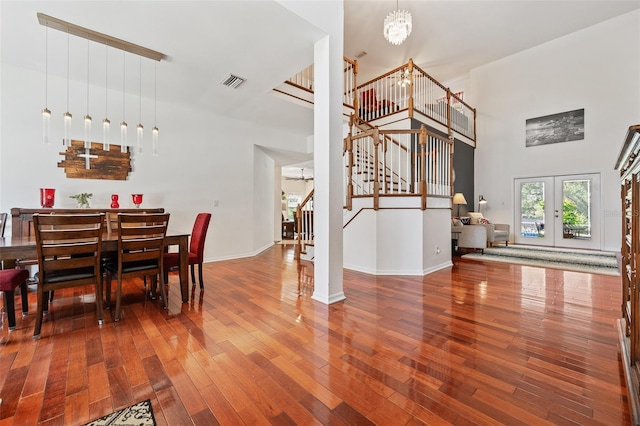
423 166
410 103
449 110
451 166
375 166
349 152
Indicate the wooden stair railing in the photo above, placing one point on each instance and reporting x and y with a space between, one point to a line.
304 80
304 225
411 162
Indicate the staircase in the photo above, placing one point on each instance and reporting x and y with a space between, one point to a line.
398 153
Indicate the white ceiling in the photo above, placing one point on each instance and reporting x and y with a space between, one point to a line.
266 43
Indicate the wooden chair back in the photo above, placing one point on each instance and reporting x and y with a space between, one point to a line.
141 241
69 250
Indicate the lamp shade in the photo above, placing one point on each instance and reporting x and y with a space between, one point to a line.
482 200
458 198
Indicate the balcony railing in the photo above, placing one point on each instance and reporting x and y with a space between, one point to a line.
409 88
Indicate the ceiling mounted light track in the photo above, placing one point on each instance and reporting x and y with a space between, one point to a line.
76 30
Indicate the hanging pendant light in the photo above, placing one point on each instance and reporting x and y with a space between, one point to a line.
140 128
106 124
123 125
67 115
46 114
155 132
397 26
87 118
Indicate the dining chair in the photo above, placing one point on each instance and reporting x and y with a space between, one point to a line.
196 249
10 279
69 249
140 253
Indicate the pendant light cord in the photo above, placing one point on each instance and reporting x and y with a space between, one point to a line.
123 79
46 67
67 71
140 91
106 81
87 77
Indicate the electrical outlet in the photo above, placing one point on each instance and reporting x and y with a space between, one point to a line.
437 250
216 203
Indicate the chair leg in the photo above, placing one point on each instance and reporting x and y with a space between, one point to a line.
99 301
200 276
118 296
107 303
9 305
40 310
163 290
193 274
24 289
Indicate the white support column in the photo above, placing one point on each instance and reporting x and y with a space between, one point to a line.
328 122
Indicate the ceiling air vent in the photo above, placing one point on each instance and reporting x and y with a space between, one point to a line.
232 81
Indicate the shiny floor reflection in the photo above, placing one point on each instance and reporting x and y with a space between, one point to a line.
478 343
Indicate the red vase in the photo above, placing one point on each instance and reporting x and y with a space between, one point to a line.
137 199
47 197
114 201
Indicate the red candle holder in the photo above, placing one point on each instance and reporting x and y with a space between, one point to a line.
47 197
114 201
137 199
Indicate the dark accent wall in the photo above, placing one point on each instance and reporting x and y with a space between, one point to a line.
463 166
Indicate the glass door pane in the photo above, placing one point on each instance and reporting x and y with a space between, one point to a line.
577 205
576 209
532 196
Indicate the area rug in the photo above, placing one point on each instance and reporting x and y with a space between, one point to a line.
140 414
594 262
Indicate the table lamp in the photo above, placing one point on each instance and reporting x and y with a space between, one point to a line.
458 198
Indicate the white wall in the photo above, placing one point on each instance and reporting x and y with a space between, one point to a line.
203 158
596 69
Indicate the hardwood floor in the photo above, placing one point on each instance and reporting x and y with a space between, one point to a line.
477 343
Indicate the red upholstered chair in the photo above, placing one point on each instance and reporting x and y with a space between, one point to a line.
196 249
9 280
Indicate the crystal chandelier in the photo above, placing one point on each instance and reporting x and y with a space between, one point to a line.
397 26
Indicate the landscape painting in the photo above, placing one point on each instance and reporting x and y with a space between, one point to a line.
561 127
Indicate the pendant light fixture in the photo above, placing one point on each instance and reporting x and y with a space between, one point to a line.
155 132
46 114
67 115
140 128
123 125
397 26
87 118
109 41
106 124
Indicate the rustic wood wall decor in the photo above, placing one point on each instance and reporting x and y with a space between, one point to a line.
96 163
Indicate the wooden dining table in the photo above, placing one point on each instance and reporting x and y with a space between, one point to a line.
24 247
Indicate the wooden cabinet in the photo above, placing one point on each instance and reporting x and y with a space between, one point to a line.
628 165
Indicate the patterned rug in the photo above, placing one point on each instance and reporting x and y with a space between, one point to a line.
595 262
140 414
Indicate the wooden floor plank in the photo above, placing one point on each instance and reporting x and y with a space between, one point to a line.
476 343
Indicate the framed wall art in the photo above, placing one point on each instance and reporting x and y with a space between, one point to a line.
555 128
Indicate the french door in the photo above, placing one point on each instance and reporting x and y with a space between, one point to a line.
558 211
